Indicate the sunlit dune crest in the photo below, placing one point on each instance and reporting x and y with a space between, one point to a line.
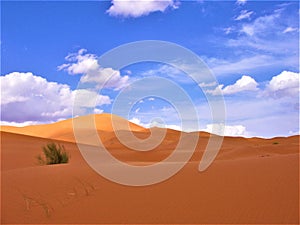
63 130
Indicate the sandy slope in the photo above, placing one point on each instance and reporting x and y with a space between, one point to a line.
63 130
251 181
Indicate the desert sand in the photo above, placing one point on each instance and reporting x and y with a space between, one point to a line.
252 180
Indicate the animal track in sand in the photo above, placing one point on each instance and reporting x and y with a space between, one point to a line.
31 202
34 201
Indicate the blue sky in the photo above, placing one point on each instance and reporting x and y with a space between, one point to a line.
251 47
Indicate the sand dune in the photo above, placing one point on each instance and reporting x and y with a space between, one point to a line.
251 181
63 130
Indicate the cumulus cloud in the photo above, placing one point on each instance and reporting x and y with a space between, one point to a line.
23 124
286 84
133 8
246 83
155 124
88 98
135 120
226 130
87 64
244 14
98 111
275 114
33 99
173 127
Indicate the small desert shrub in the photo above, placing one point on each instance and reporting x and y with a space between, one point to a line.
53 154
275 143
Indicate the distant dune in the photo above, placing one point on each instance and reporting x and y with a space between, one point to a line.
63 130
251 181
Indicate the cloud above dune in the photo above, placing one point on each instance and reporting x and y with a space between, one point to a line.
28 97
132 8
155 124
23 124
245 83
286 84
226 130
88 66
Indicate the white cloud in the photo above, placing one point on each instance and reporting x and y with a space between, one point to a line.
244 14
292 133
133 8
268 33
173 127
222 67
98 111
228 30
226 130
241 2
262 116
247 29
286 84
271 111
246 83
205 85
289 29
87 64
135 120
155 124
260 45
262 24
163 70
171 72
151 99
252 115
88 98
22 124
137 110
27 97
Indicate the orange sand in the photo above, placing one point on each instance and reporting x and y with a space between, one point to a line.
251 181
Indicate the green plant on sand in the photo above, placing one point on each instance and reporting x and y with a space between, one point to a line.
53 154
